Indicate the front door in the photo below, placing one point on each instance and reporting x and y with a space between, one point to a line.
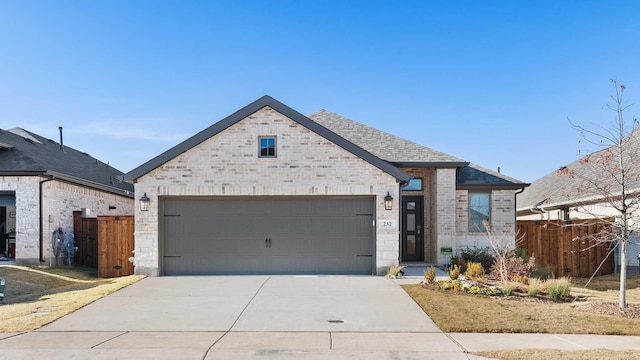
412 229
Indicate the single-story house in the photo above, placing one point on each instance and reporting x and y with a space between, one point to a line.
578 191
41 183
268 190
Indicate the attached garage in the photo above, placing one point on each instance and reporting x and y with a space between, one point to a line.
266 190
267 235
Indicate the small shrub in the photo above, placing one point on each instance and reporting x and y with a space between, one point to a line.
482 255
448 284
558 288
534 287
474 271
522 253
474 290
457 260
543 273
521 279
515 267
430 275
509 288
395 271
454 272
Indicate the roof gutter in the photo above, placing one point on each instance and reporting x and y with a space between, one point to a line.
91 184
492 187
434 164
40 211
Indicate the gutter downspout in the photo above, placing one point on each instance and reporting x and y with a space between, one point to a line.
41 242
515 206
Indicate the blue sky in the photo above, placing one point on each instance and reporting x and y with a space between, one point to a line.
492 82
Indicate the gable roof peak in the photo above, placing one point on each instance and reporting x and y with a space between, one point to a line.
248 110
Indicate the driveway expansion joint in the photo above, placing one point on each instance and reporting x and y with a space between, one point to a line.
106 341
570 342
455 342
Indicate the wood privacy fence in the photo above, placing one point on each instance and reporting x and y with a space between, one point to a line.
85 235
105 242
562 246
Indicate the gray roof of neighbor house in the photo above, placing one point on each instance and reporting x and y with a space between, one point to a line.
379 148
584 181
402 152
26 153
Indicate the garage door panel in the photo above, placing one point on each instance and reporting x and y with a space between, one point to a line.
275 235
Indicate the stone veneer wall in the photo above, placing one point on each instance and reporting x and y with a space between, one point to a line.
60 199
445 209
227 164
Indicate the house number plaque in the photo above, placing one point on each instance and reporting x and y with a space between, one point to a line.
387 224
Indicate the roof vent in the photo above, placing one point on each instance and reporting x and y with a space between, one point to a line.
61 144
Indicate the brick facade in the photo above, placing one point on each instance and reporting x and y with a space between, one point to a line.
227 164
446 213
502 220
59 200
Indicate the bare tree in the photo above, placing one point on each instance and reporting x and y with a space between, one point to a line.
607 181
506 264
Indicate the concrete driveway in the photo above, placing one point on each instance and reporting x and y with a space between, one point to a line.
236 317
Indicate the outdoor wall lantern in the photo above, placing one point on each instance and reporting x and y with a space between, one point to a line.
388 202
144 202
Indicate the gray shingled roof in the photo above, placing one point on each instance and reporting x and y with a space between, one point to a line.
391 148
559 189
474 175
399 151
24 152
379 148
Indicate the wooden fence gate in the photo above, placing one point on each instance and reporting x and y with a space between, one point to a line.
85 232
115 245
105 242
560 245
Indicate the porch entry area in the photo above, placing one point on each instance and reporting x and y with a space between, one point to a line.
412 235
7 224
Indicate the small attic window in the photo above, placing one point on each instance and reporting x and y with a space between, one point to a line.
267 146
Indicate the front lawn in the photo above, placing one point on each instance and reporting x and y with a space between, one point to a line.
36 297
462 312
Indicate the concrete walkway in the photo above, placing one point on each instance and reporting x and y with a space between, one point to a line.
263 317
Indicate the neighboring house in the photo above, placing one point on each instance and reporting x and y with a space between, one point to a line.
41 183
570 193
268 190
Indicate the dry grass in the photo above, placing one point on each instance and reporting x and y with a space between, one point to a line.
455 312
605 288
35 297
549 354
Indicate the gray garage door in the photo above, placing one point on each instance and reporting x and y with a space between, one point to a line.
267 235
